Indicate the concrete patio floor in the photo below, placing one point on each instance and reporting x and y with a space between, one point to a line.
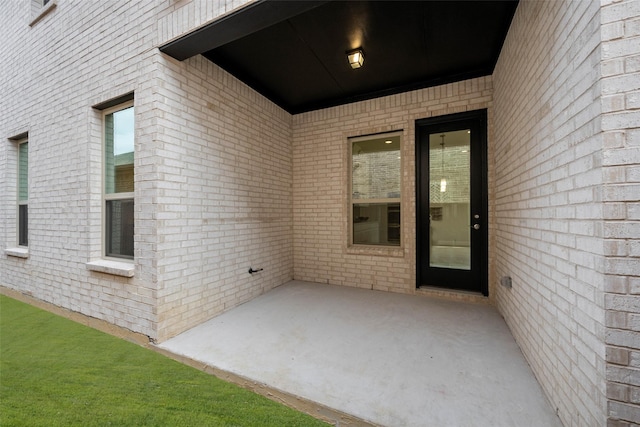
389 359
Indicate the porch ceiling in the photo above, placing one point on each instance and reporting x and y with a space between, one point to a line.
294 52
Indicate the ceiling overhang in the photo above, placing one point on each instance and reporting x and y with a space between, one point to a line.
294 52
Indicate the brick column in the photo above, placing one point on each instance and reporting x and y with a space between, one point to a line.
620 69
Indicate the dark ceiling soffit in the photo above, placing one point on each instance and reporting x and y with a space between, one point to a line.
246 20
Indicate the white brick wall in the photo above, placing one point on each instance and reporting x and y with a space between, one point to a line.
620 70
547 224
224 169
76 56
212 166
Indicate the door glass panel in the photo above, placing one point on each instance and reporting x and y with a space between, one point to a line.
449 200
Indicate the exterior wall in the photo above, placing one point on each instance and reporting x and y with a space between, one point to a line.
620 85
225 180
320 184
224 169
548 180
212 166
52 73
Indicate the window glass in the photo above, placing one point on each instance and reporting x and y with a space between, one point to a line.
23 194
119 219
375 190
119 182
23 225
23 172
119 132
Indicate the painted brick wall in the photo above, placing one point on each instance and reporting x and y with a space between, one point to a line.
320 183
620 86
212 166
225 173
77 55
547 226
226 180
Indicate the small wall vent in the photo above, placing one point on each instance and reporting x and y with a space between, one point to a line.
506 282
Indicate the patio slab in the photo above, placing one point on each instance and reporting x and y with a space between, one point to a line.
390 359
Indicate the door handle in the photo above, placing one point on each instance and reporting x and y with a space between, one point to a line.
476 226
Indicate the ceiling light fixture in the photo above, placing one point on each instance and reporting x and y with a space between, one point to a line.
356 58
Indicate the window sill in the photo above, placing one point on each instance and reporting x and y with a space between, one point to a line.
17 252
117 268
388 251
43 12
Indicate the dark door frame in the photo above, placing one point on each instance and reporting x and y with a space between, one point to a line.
478 121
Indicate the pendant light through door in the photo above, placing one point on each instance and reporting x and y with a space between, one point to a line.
443 180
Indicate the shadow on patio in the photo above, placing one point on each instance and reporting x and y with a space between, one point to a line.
389 359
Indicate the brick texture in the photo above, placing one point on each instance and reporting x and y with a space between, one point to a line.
75 56
225 180
547 226
224 170
565 228
213 170
620 84
320 184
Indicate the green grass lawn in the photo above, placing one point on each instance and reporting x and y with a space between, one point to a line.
55 372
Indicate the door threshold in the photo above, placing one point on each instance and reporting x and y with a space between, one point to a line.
452 294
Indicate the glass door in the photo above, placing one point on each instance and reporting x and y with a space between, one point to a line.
449 200
452 202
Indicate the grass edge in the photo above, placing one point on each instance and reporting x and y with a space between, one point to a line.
314 409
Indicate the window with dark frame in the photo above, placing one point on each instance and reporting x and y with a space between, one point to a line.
375 190
119 181
40 9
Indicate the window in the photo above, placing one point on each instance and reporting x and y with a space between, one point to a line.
40 9
23 193
118 180
375 190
